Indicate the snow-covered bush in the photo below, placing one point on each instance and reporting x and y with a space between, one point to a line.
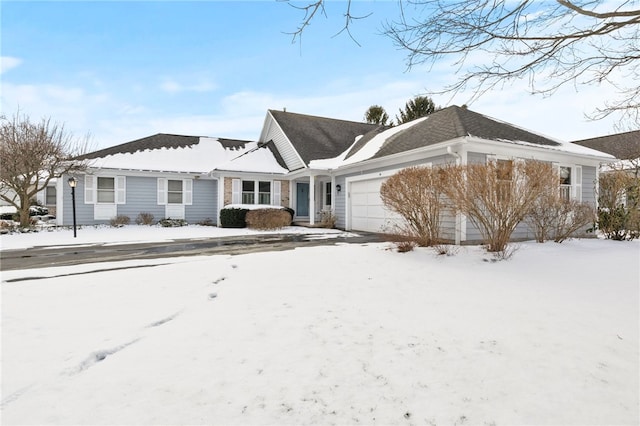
172 223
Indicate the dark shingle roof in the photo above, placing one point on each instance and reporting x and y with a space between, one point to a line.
316 138
455 122
161 140
623 146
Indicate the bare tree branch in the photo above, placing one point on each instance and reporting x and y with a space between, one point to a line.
31 154
550 42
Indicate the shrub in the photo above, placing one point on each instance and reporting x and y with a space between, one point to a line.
233 218
267 219
552 217
416 194
144 219
207 222
172 223
328 219
291 212
497 196
119 221
619 206
405 246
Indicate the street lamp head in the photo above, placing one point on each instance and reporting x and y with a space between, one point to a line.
72 182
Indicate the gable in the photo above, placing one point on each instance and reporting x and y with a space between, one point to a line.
315 138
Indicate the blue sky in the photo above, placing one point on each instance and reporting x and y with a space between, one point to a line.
125 70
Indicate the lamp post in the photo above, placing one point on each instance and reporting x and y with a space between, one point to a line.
72 183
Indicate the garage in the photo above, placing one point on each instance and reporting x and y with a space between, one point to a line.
366 210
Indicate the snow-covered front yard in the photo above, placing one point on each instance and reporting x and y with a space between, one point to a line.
347 334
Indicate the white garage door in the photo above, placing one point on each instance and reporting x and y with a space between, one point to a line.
367 210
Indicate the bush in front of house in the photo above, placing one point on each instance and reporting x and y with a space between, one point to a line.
268 219
552 217
144 219
233 217
416 194
619 205
119 221
172 223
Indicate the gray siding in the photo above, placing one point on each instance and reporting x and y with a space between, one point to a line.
205 200
141 197
589 184
339 205
285 149
84 212
476 158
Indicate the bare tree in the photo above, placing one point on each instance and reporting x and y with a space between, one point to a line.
377 115
549 43
31 154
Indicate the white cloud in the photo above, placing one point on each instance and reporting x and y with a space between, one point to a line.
200 86
8 62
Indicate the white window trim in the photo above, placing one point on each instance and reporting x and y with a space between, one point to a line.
91 189
163 191
575 191
275 191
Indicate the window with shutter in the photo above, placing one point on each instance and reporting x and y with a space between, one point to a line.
236 191
89 189
162 191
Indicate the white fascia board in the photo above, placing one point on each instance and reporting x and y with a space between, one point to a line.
143 173
274 121
403 157
220 174
536 152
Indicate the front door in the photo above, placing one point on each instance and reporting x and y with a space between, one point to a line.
302 199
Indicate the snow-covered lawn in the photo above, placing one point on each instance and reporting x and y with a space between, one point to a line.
346 334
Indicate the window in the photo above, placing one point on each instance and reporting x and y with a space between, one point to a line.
50 196
264 192
248 192
106 190
565 182
174 191
327 194
504 174
249 195
255 192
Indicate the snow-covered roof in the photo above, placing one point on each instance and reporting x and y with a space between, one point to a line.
448 124
203 156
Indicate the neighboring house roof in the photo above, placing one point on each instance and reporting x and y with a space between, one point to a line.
188 154
623 146
317 138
